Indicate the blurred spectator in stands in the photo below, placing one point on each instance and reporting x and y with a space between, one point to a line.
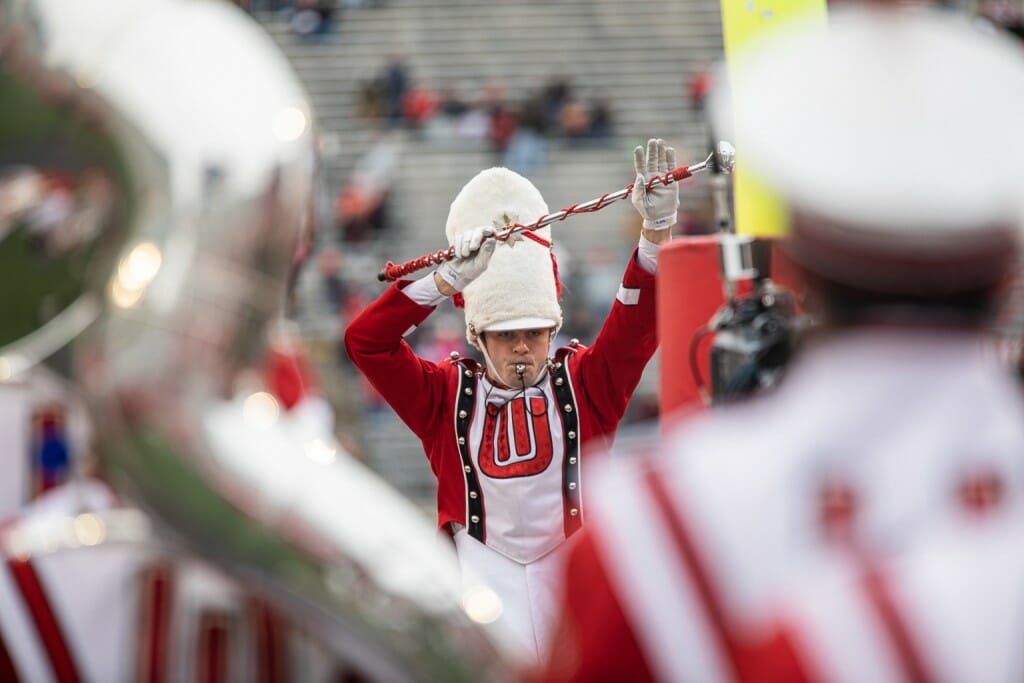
361 209
363 213
602 125
475 123
328 265
526 151
352 209
372 103
449 108
452 102
305 20
494 94
328 10
395 81
574 120
502 120
503 126
313 18
418 105
698 88
554 94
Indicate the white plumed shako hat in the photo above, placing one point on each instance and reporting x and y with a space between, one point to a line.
519 290
896 135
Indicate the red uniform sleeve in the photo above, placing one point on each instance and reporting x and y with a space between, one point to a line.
412 386
610 369
592 641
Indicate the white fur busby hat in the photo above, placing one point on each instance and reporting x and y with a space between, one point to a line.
519 289
896 136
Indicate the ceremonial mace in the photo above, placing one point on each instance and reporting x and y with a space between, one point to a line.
722 160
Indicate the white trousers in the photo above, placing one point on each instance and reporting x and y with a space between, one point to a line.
530 593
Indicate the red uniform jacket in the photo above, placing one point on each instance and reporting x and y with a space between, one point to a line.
424 393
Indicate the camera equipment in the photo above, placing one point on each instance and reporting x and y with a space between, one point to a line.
754 331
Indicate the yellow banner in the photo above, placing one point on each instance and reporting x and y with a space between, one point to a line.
758 211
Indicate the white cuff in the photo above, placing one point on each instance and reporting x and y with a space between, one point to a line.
661 223
646 255
449 274
424 291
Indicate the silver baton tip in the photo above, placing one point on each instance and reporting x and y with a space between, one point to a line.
726 156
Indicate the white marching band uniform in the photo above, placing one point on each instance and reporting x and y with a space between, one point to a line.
886 451
79 602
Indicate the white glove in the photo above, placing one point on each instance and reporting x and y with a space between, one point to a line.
658 205
473 251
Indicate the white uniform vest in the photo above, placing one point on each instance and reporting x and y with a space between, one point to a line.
520 455
516 442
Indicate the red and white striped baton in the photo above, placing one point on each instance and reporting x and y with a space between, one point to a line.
723 159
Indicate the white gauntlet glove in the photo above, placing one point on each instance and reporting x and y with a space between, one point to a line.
473 251
658 206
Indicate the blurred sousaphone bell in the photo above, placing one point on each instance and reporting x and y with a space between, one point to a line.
189 168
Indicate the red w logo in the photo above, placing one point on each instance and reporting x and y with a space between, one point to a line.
516 442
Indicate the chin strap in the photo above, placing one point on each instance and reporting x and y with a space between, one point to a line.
491 370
